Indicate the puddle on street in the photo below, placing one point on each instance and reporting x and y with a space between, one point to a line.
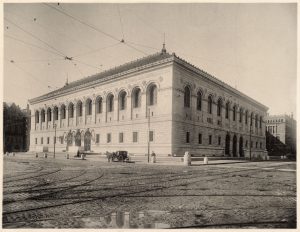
125 220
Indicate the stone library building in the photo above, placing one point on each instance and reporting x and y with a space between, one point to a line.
160 103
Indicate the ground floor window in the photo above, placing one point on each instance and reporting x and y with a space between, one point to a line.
97 138
42 140
187 137
200 138
54 139
151 136
121 137
260 144
48 140
108 137
209 139
61 139
256 145
35 140
134 137
219 140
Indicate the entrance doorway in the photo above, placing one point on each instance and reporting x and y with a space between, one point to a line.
234 146
78 139
87 141
227 145
69 140
241 147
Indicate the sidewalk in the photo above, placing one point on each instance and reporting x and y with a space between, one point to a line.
166 160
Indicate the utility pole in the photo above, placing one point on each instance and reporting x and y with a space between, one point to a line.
54 139
148 111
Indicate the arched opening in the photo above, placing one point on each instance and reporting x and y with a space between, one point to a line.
152 95
233 113
199 101
241 148
234 146
256 121
209 104
227 110
48 115
99 105
88 106
37 117
69 139
136 98
241 115
87 141
55 113
71 110
43 115
122 100
63 112
110 103
187 97
79 109
219 108
227 144
78 139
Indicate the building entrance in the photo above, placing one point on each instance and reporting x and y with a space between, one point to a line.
227 145
234 146
241 147
87 141
78 139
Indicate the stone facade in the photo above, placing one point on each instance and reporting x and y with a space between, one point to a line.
160 103
283 127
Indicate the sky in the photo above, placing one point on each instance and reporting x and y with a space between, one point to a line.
252 47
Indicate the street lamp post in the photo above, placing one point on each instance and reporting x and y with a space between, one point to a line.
54 139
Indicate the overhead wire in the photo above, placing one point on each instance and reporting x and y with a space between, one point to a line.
41 25
96 50
64 12
33 45
81 21
34 36
123 37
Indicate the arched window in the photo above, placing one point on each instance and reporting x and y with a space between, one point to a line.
246 117
63 112
110 103
99 105
227 110
79 109
199 101
137 95
71 110
49 115
55 111
187 97
260 121
233 113
256 121
88 106
37 117
241 115
219 109
152 95
122 100
209 104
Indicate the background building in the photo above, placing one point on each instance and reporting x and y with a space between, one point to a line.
159 103
283 128
16 128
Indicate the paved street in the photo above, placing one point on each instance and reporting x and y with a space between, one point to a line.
61 193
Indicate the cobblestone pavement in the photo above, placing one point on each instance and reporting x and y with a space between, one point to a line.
58 193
